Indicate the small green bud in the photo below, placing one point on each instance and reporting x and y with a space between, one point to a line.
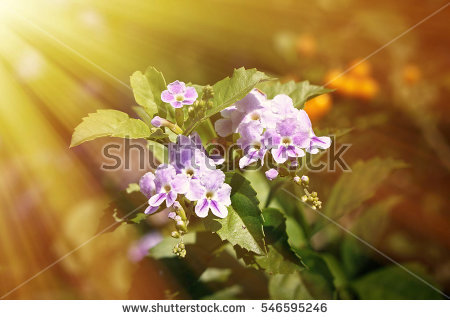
181 226
314 194
305 180
175 234
304 198
314 207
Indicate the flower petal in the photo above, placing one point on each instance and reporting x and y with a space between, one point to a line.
218 209
176 104
177 87
202 208
147 184
223 194
279 154
150 210
171 197
166 96
249 158
294 152
223 127
196 190
180 184
321 142
190 94
271 174
157 199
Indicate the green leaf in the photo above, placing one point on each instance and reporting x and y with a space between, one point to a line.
140 111
287 287
229 90
108 123
230 293
164 248
300 92
370 226
352 189
147 88
133 187
394 283
215 275
243 226
317 276
280 257
159 151
126 208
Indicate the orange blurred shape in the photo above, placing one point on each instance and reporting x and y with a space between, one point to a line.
367 88
306 45
318 107
360 68
333 78
411 74
349 86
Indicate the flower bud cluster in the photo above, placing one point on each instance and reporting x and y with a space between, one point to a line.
311 197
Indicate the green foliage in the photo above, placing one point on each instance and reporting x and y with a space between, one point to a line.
287 287
147 88
280 258
352 189
231 89
394 283
300 92
108 123
159 151
244 225
164 248
370 226
128 207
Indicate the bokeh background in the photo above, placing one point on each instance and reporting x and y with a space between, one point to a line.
60 59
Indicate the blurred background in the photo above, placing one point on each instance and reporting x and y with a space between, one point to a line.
60 59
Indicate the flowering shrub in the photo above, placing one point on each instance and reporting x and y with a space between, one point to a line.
213 208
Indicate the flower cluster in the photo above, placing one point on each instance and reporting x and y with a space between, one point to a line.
191 174
270 125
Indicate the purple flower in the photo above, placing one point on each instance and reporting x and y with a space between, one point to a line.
250 108
168 185
140 248
157 121
271 174
283 107
147 184
312 142
177 94
286 140
211 193
253 144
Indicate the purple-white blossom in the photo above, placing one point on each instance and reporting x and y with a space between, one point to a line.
274 125
177 94
211 193
250 108
252 143
139 249
167 187
271 174
286 140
